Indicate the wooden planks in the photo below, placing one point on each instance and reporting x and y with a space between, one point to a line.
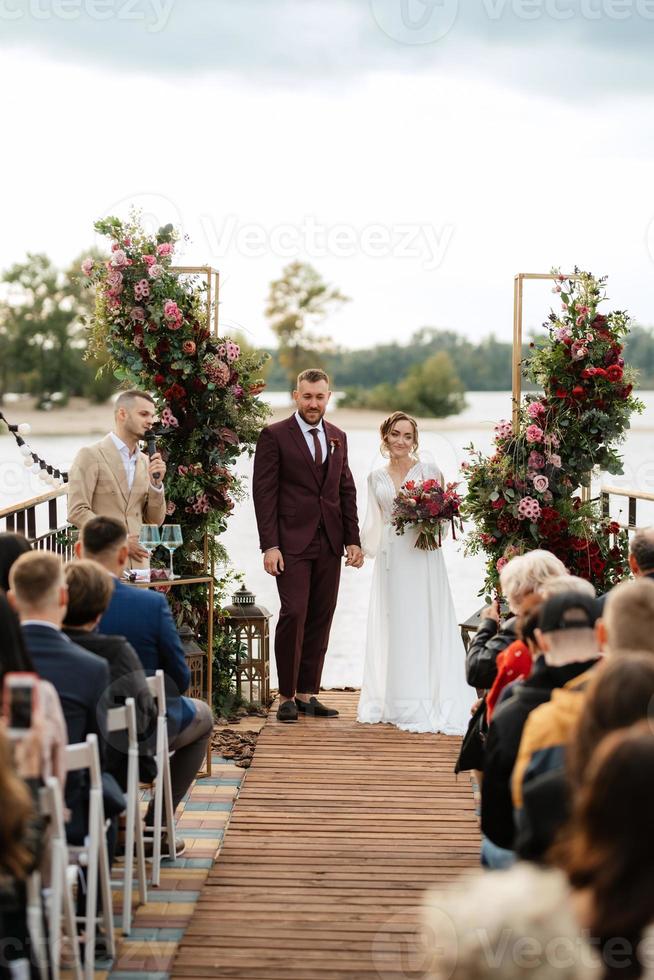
338 830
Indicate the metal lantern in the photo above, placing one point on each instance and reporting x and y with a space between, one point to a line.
195 657
249 624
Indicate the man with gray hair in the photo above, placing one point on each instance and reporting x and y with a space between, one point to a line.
641 553
114 478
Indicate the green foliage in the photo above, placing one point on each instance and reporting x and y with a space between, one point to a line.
522 496
430 389
297 303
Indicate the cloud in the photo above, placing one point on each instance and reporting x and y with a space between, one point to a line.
569 48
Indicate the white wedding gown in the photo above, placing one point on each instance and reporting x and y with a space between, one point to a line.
414 673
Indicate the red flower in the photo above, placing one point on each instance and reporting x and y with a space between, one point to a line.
560 393
613 527
599 372
498 504
198 384
159 380
579 392
614 373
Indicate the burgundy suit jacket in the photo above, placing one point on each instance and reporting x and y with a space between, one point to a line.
290 498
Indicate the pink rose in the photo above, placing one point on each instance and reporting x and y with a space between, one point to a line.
536 460
171 310
563 333
535 409
189 347
541 483
501 563
115 279
170 508
165 249
149 260
156 271
87 266
534 433
119 259
554 460
182 470
137 313
578 350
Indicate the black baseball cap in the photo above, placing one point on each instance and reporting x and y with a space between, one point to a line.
568 611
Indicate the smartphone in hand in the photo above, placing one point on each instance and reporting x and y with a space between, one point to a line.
19 697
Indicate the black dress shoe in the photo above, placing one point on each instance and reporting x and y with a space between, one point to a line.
287 711
315 707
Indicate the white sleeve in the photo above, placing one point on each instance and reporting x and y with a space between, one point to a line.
372 526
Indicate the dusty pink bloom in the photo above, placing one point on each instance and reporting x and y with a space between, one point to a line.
233 351
503 429
536 460
535 409
156 271
500 563
171 507
171 309
149 260
578 350
189 347
137 313
87 266
534 433
529 508
554 460
217 371
562 333
541 483
168 419
165 249
142 289
119 259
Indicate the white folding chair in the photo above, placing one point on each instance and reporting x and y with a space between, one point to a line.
84 755
124 719
163 795
35 923
59 895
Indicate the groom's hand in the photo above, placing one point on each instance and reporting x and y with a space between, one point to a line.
354 556
273 561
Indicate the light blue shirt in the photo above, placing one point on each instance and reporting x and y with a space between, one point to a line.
306 429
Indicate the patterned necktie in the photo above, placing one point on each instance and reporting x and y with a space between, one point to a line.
317 447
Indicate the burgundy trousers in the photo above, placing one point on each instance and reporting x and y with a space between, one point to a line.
308 590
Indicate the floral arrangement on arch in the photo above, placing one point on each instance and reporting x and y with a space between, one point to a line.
524 496
153 323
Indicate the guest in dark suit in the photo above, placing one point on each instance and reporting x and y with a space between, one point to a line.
90 588
39 594
305 502
144 618
12 546
641 553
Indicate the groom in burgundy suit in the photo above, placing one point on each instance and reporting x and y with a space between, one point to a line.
305 502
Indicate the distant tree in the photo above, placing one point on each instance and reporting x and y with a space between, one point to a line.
297 303
431 389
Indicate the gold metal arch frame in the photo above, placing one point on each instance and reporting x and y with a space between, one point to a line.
516 372
212 277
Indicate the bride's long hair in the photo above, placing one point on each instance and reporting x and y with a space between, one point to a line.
387 427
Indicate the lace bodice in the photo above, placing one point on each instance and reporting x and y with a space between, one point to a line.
381 494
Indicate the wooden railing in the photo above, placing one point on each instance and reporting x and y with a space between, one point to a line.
41 520
633 496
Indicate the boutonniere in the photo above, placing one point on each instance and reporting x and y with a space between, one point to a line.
334 444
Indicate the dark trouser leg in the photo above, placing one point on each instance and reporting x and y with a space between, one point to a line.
293 586
323 593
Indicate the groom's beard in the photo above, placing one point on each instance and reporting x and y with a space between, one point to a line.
314 418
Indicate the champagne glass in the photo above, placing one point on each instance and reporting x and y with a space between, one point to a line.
171 538
149 537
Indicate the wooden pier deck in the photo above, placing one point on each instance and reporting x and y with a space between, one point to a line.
336 833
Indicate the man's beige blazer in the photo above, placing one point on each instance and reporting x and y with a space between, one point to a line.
97 487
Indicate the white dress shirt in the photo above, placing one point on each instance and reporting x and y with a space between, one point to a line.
129 461
322 438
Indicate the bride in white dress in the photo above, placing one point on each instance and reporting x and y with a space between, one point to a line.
414 673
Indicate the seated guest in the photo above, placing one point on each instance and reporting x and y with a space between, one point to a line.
21 846
519 579
144 618
89 591
14 657
511 925
627 621
509 719
641 553
608 848
38 591
12 546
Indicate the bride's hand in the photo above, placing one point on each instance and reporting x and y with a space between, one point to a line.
354 556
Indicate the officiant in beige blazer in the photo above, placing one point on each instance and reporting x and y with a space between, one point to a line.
114 478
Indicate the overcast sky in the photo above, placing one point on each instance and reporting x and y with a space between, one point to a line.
418 152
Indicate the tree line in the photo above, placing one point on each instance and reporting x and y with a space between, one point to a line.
43 346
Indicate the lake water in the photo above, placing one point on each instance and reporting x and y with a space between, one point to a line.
344 663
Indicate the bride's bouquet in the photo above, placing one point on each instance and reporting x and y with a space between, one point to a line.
427 506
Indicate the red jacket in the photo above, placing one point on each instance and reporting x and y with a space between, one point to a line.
290 496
